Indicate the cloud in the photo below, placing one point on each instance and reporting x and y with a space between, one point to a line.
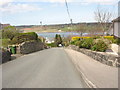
4 2
15 6
9 7
84 1
102 1
62 1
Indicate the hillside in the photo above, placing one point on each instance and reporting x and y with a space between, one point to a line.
51 28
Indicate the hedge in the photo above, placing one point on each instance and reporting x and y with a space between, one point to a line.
22 37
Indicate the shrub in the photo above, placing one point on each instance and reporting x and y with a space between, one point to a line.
5 42
58 39
81 42
9 32
77 43
99 46
66 44
78 38
87 43
109 37
117 41
31 35
52 45
22 37
106 41
73 42
75 38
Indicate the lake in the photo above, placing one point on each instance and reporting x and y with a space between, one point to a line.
63 34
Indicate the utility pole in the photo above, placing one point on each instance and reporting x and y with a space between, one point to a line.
41 23
71 21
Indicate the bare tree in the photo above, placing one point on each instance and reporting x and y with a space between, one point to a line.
103 18
82 28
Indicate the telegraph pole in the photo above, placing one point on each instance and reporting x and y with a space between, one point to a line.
71 21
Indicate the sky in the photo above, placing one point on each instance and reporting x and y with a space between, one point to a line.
32 12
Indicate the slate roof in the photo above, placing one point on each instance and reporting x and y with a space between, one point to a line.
117 19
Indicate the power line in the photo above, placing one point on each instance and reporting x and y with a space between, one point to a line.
68 11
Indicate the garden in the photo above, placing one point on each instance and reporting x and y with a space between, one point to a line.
11 38
95 43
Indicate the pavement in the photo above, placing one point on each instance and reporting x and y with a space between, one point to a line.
50 68
95 74
14 56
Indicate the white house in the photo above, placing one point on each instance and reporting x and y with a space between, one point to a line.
48 40
116 27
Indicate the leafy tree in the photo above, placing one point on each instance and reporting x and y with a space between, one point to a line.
58 39
9 32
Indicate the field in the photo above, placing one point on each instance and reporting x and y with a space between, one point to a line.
39 29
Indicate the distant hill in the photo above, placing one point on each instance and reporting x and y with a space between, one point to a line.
49 28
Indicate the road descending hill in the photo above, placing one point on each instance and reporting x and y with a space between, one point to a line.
51 68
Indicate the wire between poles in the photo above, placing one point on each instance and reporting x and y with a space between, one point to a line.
68 11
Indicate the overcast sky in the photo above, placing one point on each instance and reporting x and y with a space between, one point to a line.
31 12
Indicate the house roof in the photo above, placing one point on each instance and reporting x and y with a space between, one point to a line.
117 19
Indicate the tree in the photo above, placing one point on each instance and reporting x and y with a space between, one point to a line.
103 18
58 39
9 32
82 28
94 29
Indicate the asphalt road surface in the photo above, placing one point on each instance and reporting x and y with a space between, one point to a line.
51 68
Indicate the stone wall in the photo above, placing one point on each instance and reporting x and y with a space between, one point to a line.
6 56
30 46
108 59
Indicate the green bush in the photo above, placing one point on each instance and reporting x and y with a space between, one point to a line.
58 40
31 35
52 45
81 42
9 32
77 43
99 46
73 42
22 37
5 42
117 41
87 43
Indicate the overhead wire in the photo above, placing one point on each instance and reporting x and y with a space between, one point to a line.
66 3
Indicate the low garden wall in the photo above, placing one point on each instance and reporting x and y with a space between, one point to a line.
30 46
6 56
108 59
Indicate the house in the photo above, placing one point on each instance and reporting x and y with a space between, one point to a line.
116 28
3 25
49 40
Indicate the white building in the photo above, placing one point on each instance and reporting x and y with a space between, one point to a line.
116 28
48 40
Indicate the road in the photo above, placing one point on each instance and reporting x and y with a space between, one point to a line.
51 68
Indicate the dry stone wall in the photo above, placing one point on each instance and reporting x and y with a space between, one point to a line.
31 46
108 59
6 56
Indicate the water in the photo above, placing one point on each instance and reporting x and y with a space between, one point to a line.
63 34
